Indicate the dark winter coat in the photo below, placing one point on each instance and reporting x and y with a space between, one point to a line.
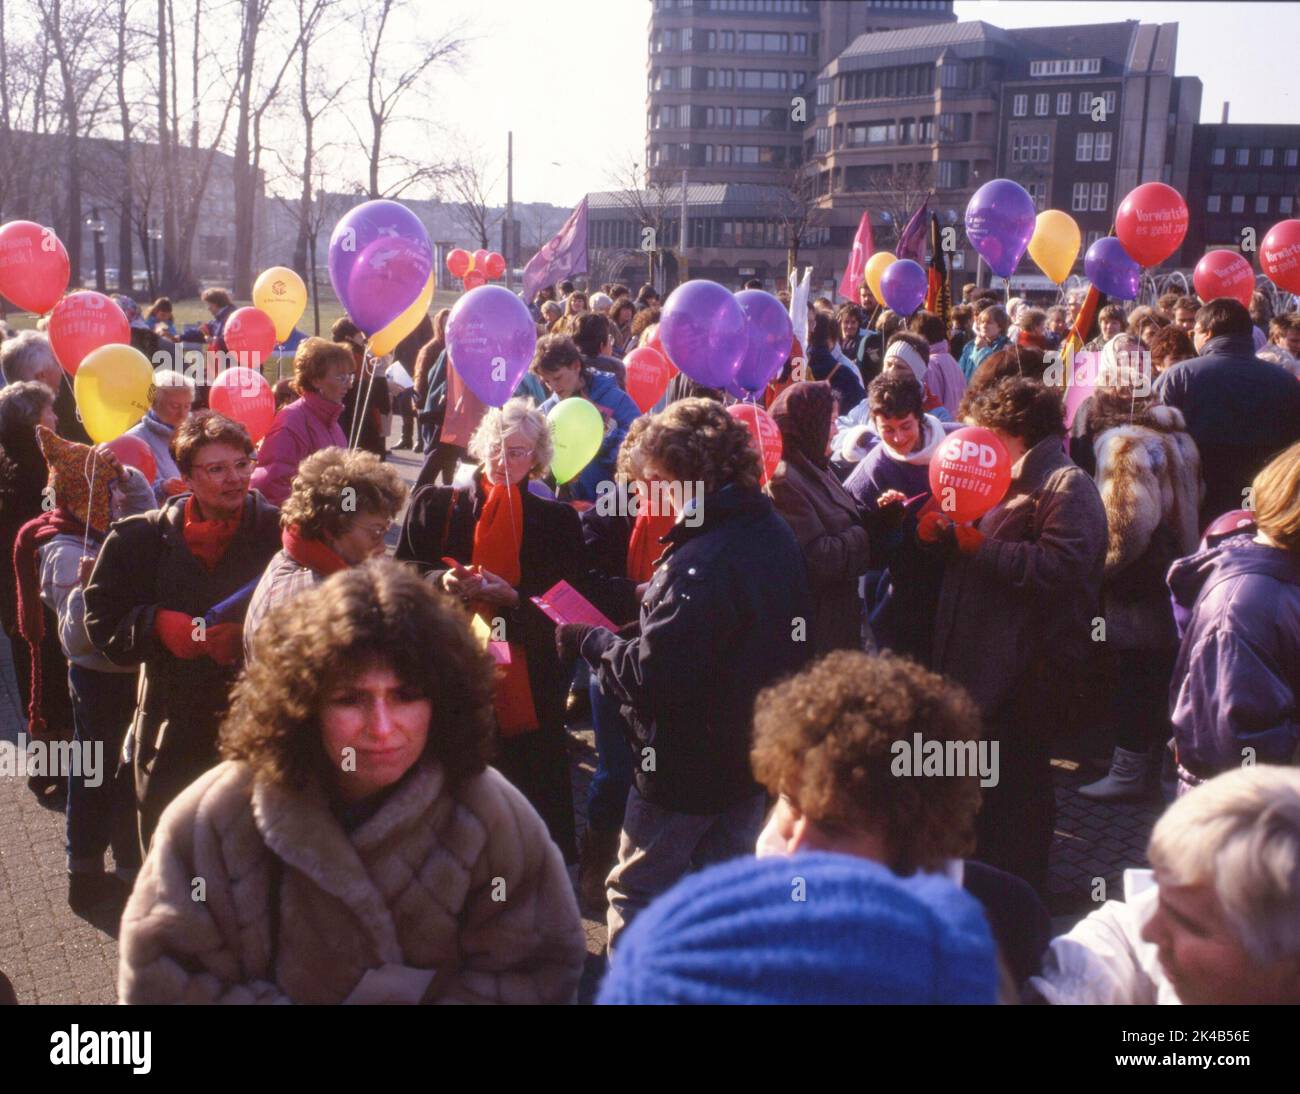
1241 411
145 565
717 626
848 388
1237 679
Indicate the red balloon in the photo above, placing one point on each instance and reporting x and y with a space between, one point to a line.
481 261
1279 255
135 453
648 374
245 397
969 474
494 266
654 342
763 432
84 321
458 262
1151 223
474 279
34 266
250 332
1224 273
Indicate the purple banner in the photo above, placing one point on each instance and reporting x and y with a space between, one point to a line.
562 257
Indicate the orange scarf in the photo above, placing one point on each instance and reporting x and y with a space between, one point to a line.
207 539
497 539
643 548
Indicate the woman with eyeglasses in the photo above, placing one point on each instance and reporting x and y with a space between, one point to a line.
336 516
322 376
169 591
493 544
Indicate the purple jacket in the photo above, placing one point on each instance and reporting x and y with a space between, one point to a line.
944 378
306 425
882 470
1237 678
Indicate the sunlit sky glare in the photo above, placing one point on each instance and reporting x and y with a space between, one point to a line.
569 76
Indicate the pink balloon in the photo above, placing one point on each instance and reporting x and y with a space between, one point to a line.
34 267
648 374
970 474
490 341
82 322
244 396
763 432
250 332
1224 273
474 279
135 453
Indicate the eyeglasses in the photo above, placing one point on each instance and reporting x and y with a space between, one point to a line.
514 453
376 532
242 468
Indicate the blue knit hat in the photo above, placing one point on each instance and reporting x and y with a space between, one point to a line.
813 928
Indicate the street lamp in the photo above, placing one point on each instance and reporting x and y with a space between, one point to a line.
96 227
155 274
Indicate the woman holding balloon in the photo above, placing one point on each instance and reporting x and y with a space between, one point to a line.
493 545
1021 588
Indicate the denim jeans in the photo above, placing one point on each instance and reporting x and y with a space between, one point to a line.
607 795
659 847
103 704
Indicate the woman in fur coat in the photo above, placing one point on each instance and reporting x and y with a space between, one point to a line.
1148 475
355 847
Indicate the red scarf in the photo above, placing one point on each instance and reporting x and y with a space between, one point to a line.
31 610
498 535
207 539
311 553
644 548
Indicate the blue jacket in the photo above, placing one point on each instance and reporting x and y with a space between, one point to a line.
619 411
972 358
157 434
715 630
1237 678
848 388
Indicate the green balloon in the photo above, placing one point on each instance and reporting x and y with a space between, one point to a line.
577 430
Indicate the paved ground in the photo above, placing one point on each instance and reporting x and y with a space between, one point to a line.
54 957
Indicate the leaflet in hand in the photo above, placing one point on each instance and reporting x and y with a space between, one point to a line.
564 604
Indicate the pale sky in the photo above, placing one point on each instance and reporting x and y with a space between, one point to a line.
569 76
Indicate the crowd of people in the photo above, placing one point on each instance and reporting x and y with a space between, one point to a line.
332 775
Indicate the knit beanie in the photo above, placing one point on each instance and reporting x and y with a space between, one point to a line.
811 928
70 475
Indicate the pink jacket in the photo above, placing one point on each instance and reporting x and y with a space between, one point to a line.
944 378
306 425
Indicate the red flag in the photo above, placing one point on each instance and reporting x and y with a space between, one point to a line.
856 268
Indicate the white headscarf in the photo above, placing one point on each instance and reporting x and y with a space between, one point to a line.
910 356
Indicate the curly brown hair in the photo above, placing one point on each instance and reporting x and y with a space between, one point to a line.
313 360
824 738
1021 407
381 612
202 428
646 317
695 440
316 503
630 460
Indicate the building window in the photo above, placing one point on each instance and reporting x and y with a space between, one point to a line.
1083 148
1213 203
1037 191
950 174
1041 102
1020 106
1092 238
1266 157
1110 103
1102 148
1063 102
1291 157
1085 102
824 93
1079 198
1100 196
1217 157
1031 148
1261 204
1242 158
1284 204
823 141
1238 203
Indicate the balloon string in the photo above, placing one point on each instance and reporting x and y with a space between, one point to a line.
364 405
90 502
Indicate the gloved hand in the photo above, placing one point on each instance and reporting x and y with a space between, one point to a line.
968 538
175 630
568 639
225 643
934 529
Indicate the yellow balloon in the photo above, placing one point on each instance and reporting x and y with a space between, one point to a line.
113 388
282 294
577 430
1055 244
385 341
877 264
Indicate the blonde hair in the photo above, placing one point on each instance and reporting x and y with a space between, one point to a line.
1240 834
517 416
1276 492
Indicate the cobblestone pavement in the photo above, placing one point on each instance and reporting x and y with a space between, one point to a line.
52 956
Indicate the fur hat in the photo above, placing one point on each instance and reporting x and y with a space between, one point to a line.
71 467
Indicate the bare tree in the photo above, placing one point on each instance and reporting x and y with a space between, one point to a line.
898 190
388 84
651 207
469 182
792 203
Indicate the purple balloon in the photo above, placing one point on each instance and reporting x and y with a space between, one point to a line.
703 331
903 285
379 262
490 342
536 486
1111 268
770 339
1000 223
